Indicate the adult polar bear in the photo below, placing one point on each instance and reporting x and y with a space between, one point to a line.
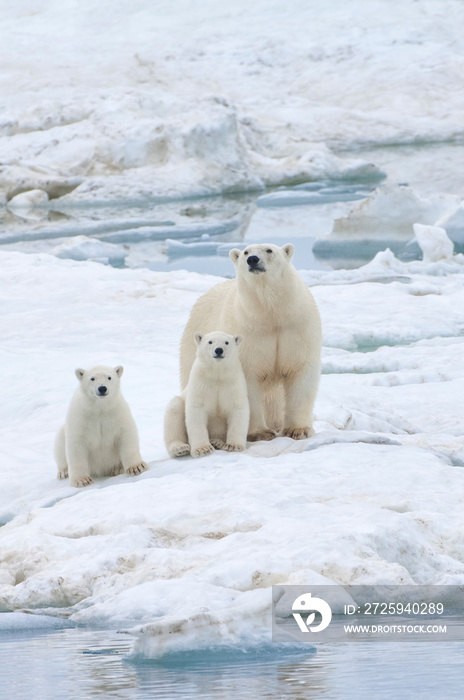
269 305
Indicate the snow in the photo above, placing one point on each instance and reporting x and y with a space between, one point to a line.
112 113
164 99
184 555
434 242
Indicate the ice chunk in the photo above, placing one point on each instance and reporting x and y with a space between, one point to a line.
297 196
434 243
246 621
392 211
25 200
84 248
454 224
29 206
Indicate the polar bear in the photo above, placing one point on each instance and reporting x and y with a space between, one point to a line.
213 411
271 307
99 437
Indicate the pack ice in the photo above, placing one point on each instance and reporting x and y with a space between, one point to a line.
184 555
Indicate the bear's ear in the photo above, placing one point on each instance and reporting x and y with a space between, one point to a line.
119 370
79 373
238 339
234 255
198 337
288 249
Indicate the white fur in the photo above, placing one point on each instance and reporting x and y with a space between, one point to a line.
274 311
213 411
99 437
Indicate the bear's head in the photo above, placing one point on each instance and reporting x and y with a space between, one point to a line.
217 348
261 260
100 383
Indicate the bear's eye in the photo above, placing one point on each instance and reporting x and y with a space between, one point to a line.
245 252
227 342
210 342
268 250
109 378
92 379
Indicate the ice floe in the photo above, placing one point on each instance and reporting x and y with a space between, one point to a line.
185 554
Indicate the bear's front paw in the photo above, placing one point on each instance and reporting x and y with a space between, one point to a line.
82 481
262 435
231 447
137 469
202 451
218 444
179 449
298 433
62 474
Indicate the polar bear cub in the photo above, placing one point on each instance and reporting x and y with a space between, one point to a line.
99 437
213 410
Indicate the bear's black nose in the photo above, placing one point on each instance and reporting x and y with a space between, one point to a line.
219 352
102 390
252 260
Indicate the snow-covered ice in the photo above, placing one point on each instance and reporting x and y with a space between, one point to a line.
184 555
162 99
85 248
434 243
392 211
388 217
134 109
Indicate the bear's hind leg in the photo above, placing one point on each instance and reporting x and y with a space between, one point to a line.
196 420
175 432
300 396
258 429
79 468
274 404
128 449
60 454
